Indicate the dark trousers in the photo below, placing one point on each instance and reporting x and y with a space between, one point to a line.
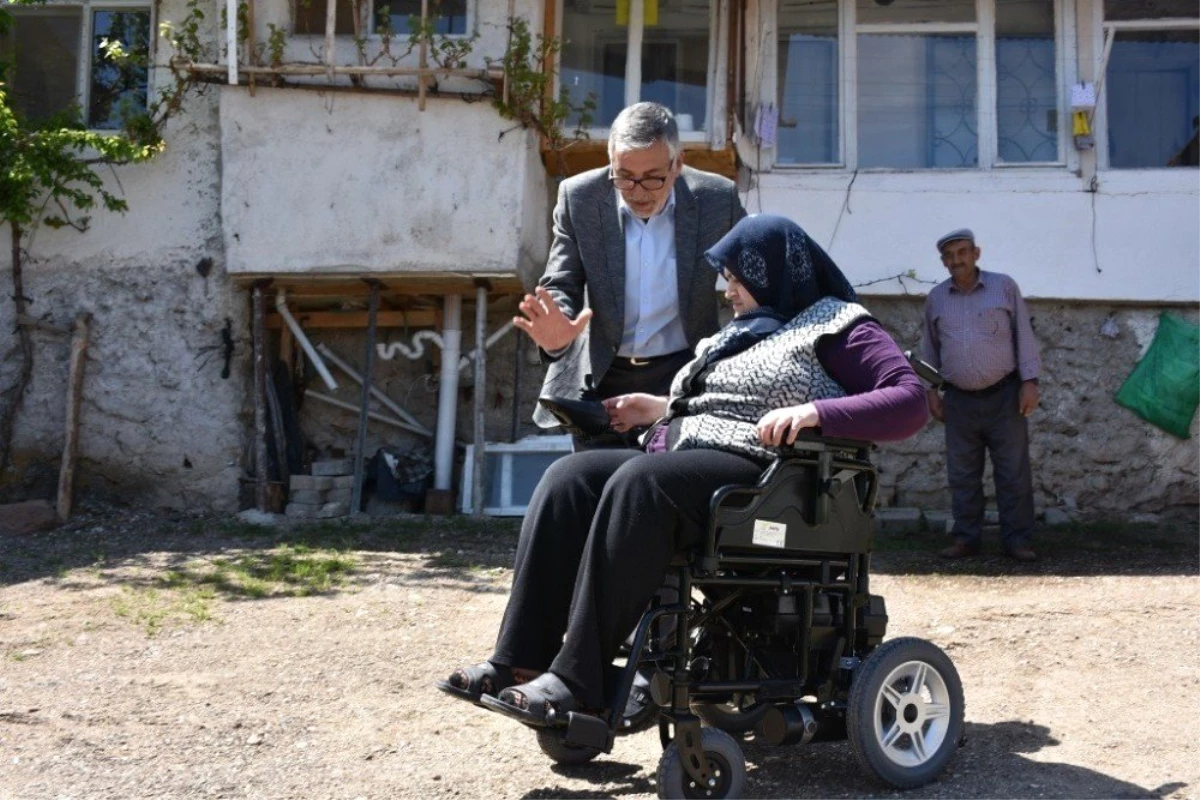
624 378
991 423
602 527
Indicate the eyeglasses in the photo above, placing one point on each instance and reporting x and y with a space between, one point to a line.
652 184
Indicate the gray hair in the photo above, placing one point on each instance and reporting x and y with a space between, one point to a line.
641 125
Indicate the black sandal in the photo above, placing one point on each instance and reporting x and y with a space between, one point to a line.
485 679
543 702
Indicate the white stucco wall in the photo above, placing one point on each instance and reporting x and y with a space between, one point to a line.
368 183
159 426
1034 225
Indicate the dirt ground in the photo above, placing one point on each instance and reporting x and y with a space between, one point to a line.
143 657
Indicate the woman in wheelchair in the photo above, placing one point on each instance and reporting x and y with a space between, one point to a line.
603 525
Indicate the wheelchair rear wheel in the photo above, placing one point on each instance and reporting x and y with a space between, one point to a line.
905 714
552 744
725 760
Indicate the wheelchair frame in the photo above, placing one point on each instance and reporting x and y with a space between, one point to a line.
802 544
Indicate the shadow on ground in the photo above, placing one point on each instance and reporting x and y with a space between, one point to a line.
994 762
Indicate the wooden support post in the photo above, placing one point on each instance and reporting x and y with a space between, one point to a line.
423 63
480 396
66 473
330 29
258 338
250 59
360 443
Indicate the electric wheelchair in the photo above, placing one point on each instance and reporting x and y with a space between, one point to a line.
776 631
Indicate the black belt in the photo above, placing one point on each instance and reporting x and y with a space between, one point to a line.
1008 379
635 362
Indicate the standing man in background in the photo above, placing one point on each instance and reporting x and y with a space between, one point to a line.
633 235
977 332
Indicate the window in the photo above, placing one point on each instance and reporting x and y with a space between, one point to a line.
449 16
914 87
47 44
1151 83
669 63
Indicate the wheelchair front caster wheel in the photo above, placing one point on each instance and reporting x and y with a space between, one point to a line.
552 744
725 762
905 714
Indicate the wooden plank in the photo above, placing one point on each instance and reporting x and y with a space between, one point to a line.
305 285
359 319
66 474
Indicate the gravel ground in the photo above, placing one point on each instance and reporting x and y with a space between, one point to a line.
190 657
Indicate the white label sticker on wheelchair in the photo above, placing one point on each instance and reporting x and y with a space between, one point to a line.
770 534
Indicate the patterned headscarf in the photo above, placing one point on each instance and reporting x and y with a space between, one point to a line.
783 269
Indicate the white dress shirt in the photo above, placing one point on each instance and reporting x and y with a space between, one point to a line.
652 323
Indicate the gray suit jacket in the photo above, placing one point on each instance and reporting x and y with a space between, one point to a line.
588 253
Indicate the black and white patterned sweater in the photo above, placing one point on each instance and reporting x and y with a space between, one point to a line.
780 371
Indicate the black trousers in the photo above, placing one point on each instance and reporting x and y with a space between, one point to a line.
989 424
602 527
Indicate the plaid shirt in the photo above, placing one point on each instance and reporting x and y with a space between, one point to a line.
977 338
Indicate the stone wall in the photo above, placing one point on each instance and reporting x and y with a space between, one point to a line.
1090 456
162 427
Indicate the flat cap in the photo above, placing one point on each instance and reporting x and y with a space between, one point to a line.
954 236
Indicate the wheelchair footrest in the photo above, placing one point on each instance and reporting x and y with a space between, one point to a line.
585 730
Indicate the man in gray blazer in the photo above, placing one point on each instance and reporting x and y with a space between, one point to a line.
631 236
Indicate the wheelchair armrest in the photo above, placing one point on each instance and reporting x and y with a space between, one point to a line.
809 442
925 370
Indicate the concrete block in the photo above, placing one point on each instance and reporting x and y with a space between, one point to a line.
313 496
331 510
894 521
938 520
341 482
1056 516
302 483
339 496
337 466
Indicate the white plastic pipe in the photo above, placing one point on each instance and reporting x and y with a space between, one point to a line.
322 370
231 23
443 448
388 351
375 392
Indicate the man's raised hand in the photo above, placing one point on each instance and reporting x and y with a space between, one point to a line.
545 322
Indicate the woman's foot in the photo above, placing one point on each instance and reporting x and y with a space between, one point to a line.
482 680
542 702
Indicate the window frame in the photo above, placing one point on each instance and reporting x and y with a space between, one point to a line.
1101 30
716 99
371 34
83 72
986 85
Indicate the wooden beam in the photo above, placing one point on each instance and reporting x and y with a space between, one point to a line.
359 319
66 473
583 156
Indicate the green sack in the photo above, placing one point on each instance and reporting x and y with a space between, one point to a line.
1164 387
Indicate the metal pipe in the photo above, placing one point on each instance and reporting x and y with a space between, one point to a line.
298 332
364 401
376 392
333 401
480 452
259 346
443 448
